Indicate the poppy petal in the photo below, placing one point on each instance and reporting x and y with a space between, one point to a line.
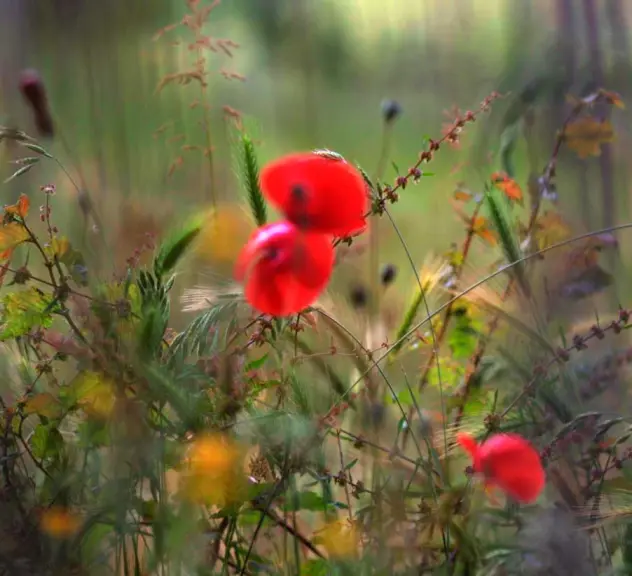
468 443
513 464
285 269
318 193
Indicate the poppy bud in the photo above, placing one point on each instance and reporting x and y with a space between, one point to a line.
390 110
359 297
33 91
389 272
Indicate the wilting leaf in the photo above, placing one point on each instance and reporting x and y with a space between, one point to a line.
586 136
11 235
43 404
550 228
23 311
613 98
20 208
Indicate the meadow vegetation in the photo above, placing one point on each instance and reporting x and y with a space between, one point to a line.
153 425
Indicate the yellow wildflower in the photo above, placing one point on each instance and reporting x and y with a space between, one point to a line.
59 522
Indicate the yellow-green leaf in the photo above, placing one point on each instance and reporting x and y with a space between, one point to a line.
24 310
11 235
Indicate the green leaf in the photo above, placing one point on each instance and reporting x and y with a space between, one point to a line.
46 441
249 174
256 364
174 248
251 517
319 567
24 310
308 500
463 338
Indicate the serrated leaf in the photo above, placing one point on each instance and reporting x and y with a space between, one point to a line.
174 248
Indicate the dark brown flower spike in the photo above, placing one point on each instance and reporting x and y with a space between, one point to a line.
34 92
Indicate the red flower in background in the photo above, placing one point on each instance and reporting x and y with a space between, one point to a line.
317 193
509 462
285 269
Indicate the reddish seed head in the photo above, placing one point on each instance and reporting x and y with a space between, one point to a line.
285 269
508 461
318 193
32 88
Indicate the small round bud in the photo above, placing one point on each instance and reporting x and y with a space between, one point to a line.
390 110
359 296
389 272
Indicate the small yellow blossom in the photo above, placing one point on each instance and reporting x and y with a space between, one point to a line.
224 233
214 471
340 539
59 522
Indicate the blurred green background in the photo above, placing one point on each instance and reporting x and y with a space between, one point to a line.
315 74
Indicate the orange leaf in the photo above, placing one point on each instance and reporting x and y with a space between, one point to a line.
487 235
462 195
11 235
43 404
614 99
20 208
508 186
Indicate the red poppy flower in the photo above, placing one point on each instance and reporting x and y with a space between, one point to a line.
285 268
317 193
509 462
